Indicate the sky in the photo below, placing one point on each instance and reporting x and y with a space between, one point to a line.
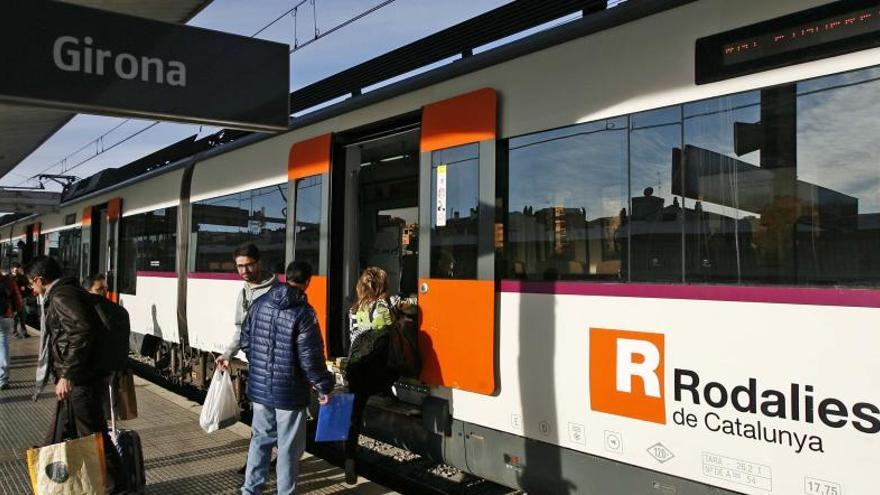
392 26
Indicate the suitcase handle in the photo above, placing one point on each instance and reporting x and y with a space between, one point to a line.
112 408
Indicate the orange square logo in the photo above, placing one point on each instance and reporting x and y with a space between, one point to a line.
626 374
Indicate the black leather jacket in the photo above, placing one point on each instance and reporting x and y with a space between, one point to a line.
74 327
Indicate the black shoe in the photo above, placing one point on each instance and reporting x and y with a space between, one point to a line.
351 476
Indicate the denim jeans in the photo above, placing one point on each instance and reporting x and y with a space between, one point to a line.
5 331
271 426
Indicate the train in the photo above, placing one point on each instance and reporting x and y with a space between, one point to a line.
645 245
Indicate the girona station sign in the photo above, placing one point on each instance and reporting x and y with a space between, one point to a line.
65 56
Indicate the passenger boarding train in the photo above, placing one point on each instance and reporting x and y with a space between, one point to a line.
645 244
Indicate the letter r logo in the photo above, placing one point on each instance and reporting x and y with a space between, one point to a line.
626 374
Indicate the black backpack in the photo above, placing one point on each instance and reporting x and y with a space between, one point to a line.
112 346
403 345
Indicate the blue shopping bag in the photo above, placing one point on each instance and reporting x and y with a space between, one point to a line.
334 418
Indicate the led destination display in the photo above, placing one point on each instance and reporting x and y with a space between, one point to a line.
834 29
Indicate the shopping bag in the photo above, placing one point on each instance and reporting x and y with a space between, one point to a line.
221 408
73 467
334 418
126 398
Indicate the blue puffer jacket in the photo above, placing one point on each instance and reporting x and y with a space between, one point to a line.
285 352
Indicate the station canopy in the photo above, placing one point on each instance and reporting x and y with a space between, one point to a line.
23 129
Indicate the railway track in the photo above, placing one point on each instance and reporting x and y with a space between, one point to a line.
385 464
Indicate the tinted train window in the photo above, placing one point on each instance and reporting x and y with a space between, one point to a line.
69 242
655 212
785 184
719 223
775 186
455 194
307 228
837 231
567 207
219 225
50 243
147 243
63 245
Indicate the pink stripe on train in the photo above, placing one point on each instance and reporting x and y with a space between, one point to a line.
862 298
157 274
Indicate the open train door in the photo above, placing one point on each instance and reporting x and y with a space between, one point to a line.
110 246
100 236
456 242
85 256
33 243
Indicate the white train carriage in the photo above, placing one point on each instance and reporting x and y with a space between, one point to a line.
646 247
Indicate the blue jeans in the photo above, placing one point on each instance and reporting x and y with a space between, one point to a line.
271 426
5 331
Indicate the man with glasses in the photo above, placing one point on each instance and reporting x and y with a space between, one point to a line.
73 328
256 283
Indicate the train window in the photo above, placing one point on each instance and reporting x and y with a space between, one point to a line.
147 243
219 225
69 242
307 229
721 225
50 242
784 184
837 236
774 186
454 226
656 213
567 203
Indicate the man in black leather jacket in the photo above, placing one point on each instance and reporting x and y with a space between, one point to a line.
74 327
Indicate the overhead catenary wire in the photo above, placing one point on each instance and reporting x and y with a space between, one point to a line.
339 26
63 161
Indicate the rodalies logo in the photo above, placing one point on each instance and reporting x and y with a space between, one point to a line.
627 379
626 374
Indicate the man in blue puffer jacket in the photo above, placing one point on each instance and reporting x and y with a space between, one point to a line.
285 353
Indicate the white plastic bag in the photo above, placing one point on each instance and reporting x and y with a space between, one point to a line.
220 409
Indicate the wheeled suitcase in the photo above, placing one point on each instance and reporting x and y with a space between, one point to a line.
128 444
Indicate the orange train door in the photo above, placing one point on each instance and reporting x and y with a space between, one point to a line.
100 239
456 245
308 174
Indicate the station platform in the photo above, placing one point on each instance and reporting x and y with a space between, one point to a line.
179 457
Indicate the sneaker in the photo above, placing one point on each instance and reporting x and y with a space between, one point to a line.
351 476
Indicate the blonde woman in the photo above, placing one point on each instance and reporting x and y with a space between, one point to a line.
371 318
